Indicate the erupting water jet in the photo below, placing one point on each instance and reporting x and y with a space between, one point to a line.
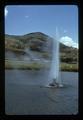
54 79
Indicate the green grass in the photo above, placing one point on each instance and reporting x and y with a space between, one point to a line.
69 67
13 64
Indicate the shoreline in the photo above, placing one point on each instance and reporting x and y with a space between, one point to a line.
38 69
21 65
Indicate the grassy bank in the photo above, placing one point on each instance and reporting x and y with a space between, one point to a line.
69 67
13 64
9 64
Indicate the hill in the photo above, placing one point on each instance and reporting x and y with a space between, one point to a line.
36 46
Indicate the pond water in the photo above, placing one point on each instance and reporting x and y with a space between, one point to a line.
25 93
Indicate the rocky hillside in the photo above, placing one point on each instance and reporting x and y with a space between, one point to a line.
36 46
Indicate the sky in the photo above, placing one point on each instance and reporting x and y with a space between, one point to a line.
24 19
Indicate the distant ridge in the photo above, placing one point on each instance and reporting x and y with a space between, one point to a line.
39 42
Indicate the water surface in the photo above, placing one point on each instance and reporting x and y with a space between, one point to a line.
25 96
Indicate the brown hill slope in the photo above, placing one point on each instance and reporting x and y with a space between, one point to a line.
38 45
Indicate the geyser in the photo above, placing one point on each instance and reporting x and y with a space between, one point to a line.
54 79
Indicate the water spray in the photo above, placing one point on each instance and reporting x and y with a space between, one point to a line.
54 75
